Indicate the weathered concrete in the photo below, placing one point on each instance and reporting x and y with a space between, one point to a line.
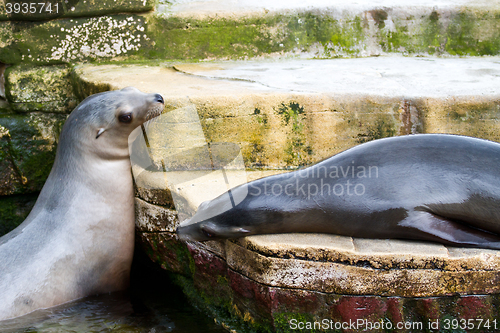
210 30
293 113
244 7
71 40
261 283
390 76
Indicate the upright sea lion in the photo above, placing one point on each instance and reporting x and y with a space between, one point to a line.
79 238
435 187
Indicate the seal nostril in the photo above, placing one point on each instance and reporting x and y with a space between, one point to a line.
159 99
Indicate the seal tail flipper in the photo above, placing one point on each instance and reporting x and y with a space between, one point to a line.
428 226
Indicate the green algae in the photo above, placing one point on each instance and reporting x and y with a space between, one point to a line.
473 34
298 149
220 306
383 127
432 37
465 33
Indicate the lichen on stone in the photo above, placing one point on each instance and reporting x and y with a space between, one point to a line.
99 37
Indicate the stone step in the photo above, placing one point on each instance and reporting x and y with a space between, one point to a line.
331 29
224 29
286 114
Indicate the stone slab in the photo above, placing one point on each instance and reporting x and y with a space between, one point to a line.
373 253
68 40
46 88
381 76
245 7
292 113
242 29
394 77
331 277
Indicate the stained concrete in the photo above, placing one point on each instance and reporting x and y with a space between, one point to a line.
287 114
246 7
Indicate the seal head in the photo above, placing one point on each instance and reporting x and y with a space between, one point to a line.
78 240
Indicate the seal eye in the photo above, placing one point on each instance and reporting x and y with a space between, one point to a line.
206 233
125 118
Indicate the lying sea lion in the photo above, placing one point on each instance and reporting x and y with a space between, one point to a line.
432 187
79 238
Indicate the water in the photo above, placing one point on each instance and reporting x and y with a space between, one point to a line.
153 305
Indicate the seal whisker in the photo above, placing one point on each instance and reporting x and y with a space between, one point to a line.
154 113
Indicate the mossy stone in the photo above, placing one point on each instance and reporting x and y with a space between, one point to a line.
35 11
28 151
464 32
44 88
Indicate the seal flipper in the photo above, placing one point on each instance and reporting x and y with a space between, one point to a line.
428 226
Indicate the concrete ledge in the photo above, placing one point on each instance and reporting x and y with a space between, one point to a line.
207 30
293 113
343 265
250 292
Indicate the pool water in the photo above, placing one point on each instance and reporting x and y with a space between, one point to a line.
153 305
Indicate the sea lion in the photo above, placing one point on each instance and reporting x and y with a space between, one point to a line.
431 187
79 238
